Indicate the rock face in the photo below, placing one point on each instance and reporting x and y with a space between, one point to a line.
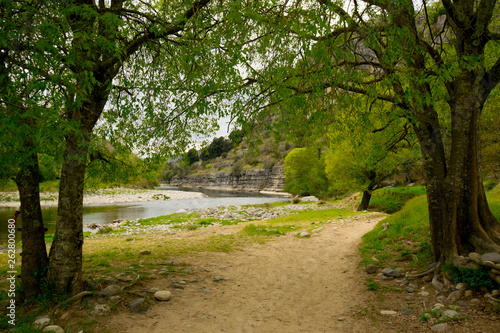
253 180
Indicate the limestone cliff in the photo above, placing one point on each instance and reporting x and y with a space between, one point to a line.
252 180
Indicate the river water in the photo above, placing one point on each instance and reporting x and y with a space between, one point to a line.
106 213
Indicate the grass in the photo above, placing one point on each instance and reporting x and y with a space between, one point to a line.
493 198
407 233
371 284
392 199
46 186
408 230
267 230
109 254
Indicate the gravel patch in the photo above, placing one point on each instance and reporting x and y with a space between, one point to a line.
106 196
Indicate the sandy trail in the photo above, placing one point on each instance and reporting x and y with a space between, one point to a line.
289 284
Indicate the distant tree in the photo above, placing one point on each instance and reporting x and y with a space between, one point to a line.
192 156
305 173
227 146
363 165
204 154
216 148
236 136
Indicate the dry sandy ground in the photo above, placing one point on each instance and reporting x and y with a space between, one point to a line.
288 285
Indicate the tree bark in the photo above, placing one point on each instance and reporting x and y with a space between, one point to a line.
460 219
365 201
66 252
34 253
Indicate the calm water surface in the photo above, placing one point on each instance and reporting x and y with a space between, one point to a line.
106 213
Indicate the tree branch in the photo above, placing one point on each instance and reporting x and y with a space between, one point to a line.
452 13
491 79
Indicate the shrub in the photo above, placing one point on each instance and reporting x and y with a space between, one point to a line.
192 156
237 169
475 278
305 173
208 166
269 162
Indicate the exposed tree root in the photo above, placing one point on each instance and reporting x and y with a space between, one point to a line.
437 284
79 296
131 283
424 273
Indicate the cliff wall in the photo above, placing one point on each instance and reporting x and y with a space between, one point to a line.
251 180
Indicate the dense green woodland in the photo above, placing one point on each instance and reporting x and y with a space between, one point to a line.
373 86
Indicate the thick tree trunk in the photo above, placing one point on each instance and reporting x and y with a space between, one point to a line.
66 251
365 201
34 253
460 219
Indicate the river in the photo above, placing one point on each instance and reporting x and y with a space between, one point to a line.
106 213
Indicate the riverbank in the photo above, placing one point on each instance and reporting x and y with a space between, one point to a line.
105 196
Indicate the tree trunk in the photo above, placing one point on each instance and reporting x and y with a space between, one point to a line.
365 201
34 253
460 219
66 251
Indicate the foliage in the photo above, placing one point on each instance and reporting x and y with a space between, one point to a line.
434 74
391 199
236 136
116 166
217 147
304 172
359 167
475 278
237 168
50 167
192 156
494 201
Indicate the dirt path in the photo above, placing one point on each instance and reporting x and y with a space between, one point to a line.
288 285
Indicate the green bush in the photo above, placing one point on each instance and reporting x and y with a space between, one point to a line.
305 173
209 166
475 278
392 199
